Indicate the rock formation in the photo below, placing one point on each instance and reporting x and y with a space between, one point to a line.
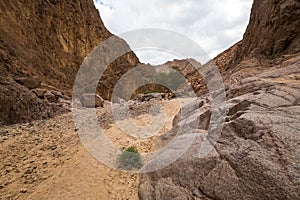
273 30
186 68
256 155
46 41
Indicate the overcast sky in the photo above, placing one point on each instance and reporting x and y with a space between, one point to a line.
214 24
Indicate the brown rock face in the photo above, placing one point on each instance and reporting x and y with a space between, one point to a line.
47 40
29 82
273 29
224 59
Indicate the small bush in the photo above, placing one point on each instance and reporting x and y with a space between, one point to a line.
132 150
130 159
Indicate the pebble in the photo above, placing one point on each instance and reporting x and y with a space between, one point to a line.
122 181
23 190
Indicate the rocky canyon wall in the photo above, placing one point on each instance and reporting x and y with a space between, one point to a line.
42 45
273 29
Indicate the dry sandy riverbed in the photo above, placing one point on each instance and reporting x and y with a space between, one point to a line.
46 159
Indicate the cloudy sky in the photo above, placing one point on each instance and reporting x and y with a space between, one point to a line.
213 24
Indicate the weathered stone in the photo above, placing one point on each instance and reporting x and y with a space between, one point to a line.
89 100
39 92
149 96
50 97
57 94
29 82
256 154
187 68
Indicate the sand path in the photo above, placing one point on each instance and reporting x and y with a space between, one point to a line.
46 159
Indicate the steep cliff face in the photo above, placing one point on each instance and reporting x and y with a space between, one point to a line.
273 29
46 40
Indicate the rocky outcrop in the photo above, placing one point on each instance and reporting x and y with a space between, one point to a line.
256 155
273 30
190 72
48 40
194 76
224 59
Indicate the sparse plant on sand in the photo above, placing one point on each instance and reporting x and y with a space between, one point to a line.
130 159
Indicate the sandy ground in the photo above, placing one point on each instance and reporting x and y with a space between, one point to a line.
46 159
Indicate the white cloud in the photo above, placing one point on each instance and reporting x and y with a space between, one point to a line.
215 25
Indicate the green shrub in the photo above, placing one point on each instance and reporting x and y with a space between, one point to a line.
132 150
130 159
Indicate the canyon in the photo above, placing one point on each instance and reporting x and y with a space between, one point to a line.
251 127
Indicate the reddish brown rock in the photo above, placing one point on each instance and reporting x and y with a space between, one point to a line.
39 92
48 39
50 97
190 72
273 30
29 82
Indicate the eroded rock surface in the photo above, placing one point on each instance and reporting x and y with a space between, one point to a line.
273 29
257 153
47 41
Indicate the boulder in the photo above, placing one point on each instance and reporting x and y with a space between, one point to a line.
90 100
